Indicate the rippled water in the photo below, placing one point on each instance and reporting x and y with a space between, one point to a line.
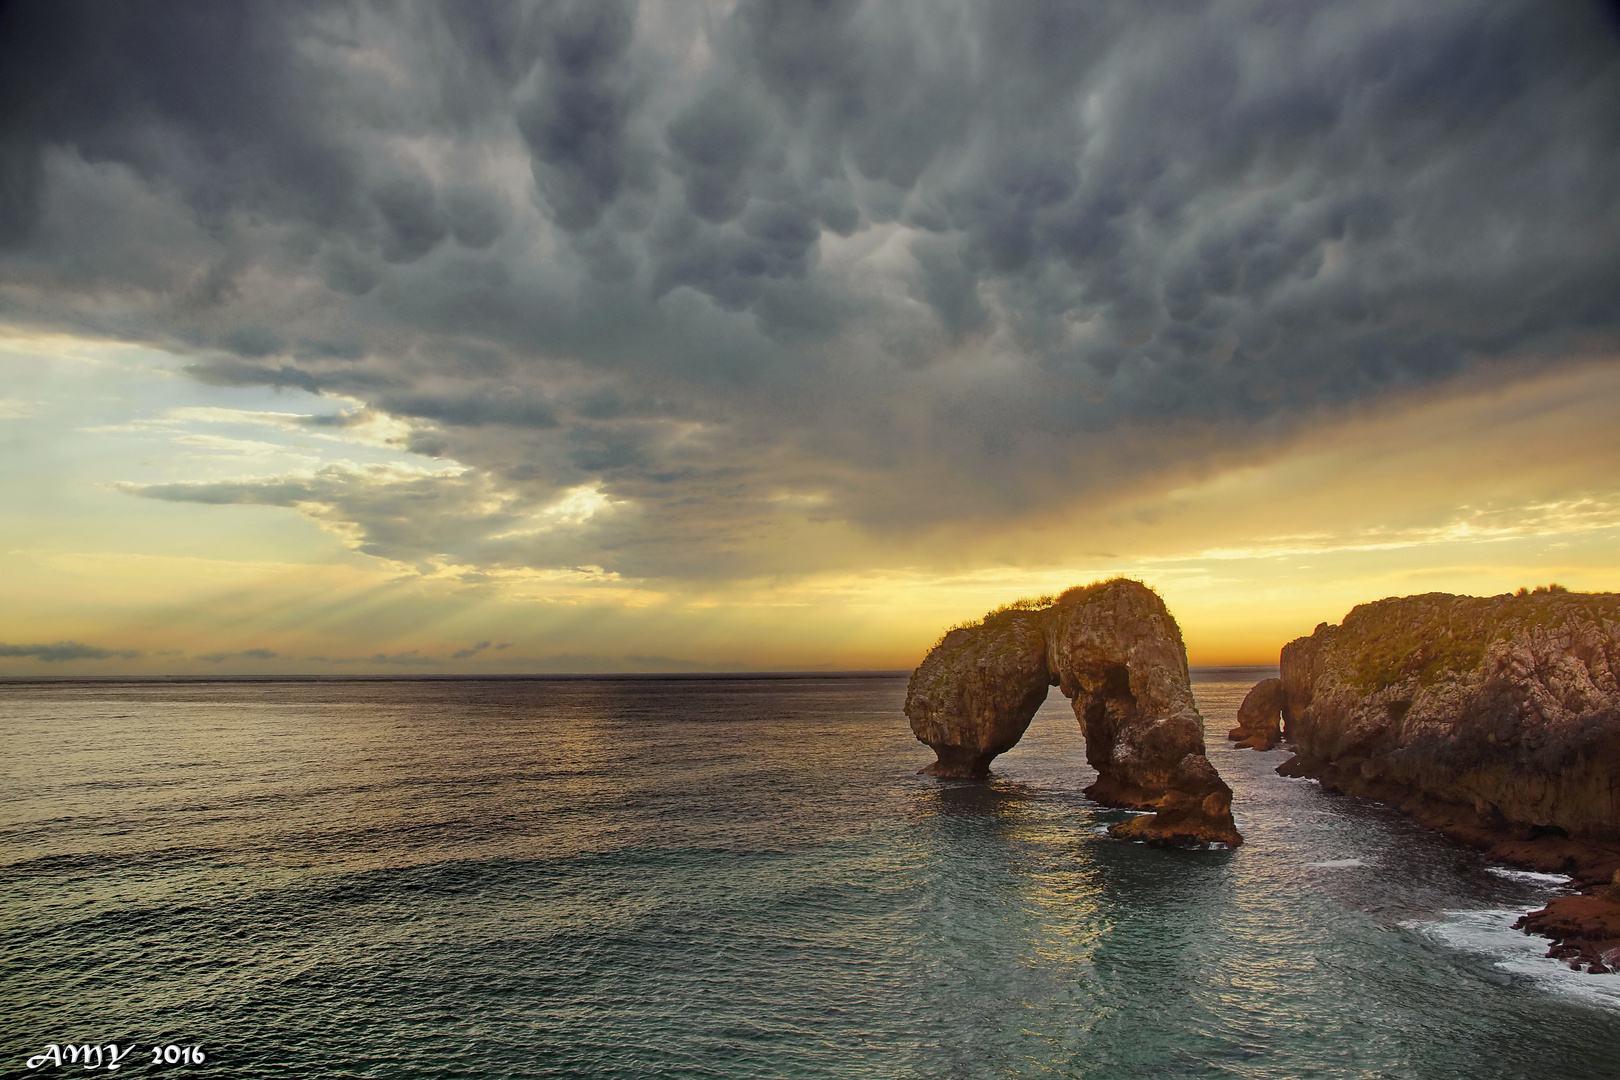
721 878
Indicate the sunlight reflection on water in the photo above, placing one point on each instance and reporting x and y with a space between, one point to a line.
720 878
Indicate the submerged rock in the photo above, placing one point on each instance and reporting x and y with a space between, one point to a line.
1113 650
1493 719
1259 725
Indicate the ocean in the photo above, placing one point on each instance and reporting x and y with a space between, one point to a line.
719 877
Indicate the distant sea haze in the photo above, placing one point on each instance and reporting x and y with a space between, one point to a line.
631 676
706 876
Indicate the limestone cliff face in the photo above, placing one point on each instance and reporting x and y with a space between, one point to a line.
975 693
1302 665
1115 651
1491 717
1259 725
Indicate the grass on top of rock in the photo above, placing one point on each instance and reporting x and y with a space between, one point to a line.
1033 603
1382 660
1550 616
1433 649
1000 614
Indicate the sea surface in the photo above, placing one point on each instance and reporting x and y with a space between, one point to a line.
718 877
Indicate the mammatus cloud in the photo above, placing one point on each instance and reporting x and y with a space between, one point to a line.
666 285
68 650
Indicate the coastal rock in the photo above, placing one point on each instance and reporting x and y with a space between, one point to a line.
1259 725
975 693
1585 929
1493 719
1112 649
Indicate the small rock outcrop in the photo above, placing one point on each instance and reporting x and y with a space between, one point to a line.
1585 929
1259 725
1493 719
1114 650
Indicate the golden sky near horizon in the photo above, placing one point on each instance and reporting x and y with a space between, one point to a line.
1480 491
718 335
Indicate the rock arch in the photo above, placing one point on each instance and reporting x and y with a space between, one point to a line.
1116 653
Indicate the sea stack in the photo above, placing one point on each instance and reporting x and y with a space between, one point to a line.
1115 651
1259 725
1493 719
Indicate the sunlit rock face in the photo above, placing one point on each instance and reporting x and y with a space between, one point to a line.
1259 725
1496 719
975 693
1114 651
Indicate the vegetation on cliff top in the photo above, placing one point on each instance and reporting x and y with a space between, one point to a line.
1430 653
1034 603
1431 638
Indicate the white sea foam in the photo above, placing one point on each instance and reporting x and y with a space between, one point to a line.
1334 864
1301 779
1523 956
1531 876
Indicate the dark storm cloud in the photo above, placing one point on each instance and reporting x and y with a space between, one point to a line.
212 99
575 122
495 405
928 261
404 515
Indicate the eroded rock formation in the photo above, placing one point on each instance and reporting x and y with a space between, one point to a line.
1585 929
1114 651
1493 719
1259 725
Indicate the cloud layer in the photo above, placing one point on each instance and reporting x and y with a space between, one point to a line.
670 289
60 651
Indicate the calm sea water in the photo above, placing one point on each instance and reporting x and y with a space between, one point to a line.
721 878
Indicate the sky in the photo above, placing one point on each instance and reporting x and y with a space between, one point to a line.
490 336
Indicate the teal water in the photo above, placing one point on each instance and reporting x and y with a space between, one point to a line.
721 878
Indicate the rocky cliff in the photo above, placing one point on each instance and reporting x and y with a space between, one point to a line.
1494 719
1259 725
1114 651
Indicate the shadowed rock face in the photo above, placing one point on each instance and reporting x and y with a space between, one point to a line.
1494 719
1259 725
1116 653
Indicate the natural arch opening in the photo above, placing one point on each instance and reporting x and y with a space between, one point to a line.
1115 652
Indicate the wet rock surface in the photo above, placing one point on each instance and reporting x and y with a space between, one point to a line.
1116 653
1585 929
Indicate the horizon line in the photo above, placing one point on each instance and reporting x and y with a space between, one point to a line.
520 676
